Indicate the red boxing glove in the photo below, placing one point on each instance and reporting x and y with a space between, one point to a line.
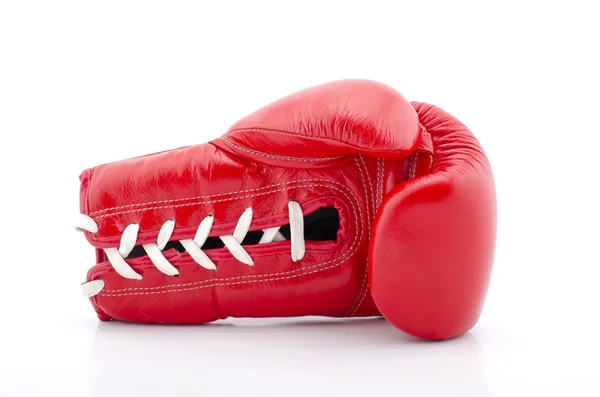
340 200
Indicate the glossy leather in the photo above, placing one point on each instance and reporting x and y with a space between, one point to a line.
346 144
433 241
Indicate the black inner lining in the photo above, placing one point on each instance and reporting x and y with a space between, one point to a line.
321 225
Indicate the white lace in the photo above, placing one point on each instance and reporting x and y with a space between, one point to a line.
116 255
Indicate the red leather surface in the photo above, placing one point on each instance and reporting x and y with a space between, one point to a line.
433 242
328 121
343 144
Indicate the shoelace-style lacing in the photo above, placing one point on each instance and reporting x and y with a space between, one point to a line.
233 242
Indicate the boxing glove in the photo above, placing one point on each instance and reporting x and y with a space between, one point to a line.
340 200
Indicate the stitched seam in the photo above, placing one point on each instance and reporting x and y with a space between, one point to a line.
353 308
355 147
379 195
362 299
358 236
372 197
214 201
368 200
413 166
276 156
236 195
379 181
226 284
87 192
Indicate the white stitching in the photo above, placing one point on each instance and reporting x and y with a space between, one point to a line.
225 284
413 166
352 309
196 198
276 156
379 195
371 199
212 201
353 248
368 200
379 182
364 295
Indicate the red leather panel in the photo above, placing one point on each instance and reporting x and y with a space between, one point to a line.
328 121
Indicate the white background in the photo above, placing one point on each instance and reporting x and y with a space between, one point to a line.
84 83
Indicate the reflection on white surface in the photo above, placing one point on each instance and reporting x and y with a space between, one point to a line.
80 356
309 356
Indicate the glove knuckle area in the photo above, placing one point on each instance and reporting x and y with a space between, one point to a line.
322 123
433 241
